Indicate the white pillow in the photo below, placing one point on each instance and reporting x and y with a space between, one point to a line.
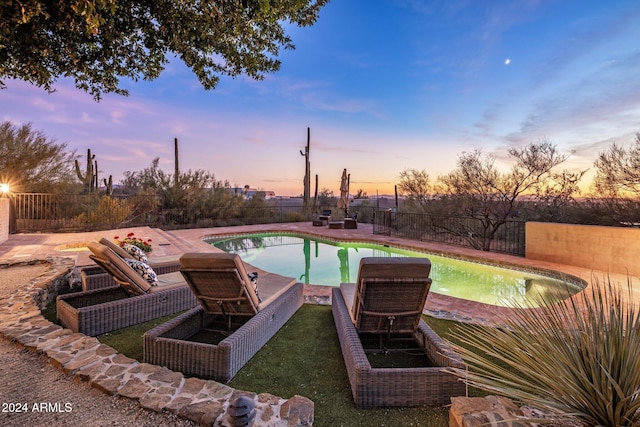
135 252
143 270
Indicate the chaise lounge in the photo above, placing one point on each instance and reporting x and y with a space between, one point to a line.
131 300
95 277
387 302
242 319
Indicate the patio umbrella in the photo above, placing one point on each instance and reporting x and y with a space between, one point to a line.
343 202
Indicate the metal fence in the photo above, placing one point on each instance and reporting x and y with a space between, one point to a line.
41 212
463 231
37 212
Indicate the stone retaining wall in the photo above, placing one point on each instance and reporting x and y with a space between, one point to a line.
156 388
494 411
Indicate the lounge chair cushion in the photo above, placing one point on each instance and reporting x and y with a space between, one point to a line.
389 287
115 248
220 283
119 269
136 252
143 270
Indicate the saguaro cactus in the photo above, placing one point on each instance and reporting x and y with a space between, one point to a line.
108 185
176 176
307 172
88 179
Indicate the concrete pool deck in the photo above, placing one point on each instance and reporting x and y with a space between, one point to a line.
37 246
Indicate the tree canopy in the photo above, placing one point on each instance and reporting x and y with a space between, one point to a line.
477 189
97 42
618 170
30 162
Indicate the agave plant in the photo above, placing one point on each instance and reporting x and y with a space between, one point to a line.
577 360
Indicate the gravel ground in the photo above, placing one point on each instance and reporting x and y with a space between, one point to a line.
35 393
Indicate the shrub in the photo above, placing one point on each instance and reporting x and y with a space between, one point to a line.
576 360
107 212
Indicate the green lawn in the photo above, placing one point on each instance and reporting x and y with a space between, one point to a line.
304 358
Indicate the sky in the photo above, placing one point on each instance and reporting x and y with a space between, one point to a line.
384 86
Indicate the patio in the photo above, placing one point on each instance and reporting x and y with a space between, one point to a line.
39 246
175 242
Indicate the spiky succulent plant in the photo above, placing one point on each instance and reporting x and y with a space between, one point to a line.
577 360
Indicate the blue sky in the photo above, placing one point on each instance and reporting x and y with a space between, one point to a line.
385 86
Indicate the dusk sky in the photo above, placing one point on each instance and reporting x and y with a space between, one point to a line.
384 85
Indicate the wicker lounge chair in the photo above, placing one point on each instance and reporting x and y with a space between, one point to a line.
228 306
95 277
387 301
130 301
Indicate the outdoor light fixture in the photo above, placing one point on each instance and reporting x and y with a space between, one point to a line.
4 189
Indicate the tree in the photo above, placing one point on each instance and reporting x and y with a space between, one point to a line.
616 187
417 187
555 201
193 195
326 197
30 162
361 194
618 171
477 190
97 42
493 197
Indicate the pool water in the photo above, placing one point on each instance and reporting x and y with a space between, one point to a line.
324 262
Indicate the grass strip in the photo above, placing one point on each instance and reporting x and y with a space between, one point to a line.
304 358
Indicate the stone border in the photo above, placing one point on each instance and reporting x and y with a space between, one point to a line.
156 388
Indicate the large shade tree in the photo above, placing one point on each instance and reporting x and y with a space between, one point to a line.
98 42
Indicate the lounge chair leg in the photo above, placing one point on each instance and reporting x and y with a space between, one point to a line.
389 325
381 346
225 317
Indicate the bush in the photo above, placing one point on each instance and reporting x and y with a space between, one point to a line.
108 212
575 360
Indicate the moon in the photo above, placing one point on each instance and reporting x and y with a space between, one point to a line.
507 61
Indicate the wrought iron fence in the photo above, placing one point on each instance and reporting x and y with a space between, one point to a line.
273 212
45 212
41 212
79 212
463 231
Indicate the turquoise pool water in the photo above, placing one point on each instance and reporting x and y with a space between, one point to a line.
324 262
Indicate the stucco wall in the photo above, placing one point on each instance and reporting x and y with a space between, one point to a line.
610 249
4 219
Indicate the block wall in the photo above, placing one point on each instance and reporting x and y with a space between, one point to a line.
609 249
4 219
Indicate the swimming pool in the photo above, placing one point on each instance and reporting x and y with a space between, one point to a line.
326 262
